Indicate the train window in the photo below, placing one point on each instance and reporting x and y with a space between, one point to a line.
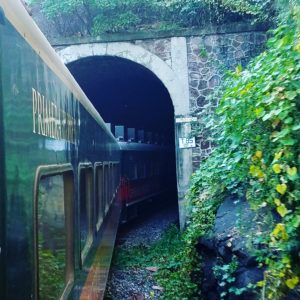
152 169
106 186
135 171
147 168
130 166
100 206
86 209
143 169
139 169
54 234
112 180
117 175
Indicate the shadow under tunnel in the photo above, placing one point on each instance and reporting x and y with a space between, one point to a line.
128 94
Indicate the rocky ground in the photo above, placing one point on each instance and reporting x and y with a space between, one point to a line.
138 283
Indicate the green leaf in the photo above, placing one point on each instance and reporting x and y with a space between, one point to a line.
288 142
281 209
296 127
291 95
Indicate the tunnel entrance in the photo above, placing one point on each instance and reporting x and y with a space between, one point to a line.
128 94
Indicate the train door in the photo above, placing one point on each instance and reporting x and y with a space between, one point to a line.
54 232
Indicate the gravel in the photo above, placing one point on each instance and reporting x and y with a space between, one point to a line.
136 283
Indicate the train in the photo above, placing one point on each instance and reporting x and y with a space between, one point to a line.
65 179
145 171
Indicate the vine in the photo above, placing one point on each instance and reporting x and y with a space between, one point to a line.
256 132
93 17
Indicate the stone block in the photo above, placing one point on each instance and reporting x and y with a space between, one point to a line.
195 75
214 81
194 83
206 92
205 145
260 38
194 66
202 84
240 38
194 93
211 40
204 71
236 44
239 54
202 101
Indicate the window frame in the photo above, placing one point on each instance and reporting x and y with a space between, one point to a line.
100 214
84 251
66 170
116 166
106 186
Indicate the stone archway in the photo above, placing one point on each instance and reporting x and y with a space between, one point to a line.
174 78
177 89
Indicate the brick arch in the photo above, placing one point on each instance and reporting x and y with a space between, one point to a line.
138 55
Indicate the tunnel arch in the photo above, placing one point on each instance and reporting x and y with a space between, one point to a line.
175 80
137 54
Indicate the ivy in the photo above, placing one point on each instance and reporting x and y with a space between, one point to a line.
93 17
256 134
175 260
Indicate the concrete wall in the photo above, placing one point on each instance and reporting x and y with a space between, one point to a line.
190 66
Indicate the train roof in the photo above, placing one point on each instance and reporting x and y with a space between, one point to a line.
133 146
18 16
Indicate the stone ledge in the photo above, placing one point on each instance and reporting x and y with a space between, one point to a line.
146 35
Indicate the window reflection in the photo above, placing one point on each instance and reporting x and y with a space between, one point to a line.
100 207
85 211
51 237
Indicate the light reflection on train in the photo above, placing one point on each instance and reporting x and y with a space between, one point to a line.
61 192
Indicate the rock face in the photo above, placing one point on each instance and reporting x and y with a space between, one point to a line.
228 266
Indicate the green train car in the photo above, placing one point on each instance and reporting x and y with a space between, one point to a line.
60 173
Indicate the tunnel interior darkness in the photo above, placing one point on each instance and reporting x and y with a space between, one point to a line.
126 93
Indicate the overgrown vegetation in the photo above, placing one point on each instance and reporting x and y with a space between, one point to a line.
256 132
175 262
93 17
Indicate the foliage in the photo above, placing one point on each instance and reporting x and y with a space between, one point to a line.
256 132
225 275
174 258
199 12
130 14
84 17
149 255
51 276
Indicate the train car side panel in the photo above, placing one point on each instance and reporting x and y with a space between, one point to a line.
2 191
43 125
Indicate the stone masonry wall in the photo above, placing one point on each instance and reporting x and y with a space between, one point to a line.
159 47
190 65
208 58
209 55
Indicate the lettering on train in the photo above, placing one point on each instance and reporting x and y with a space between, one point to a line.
51 121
